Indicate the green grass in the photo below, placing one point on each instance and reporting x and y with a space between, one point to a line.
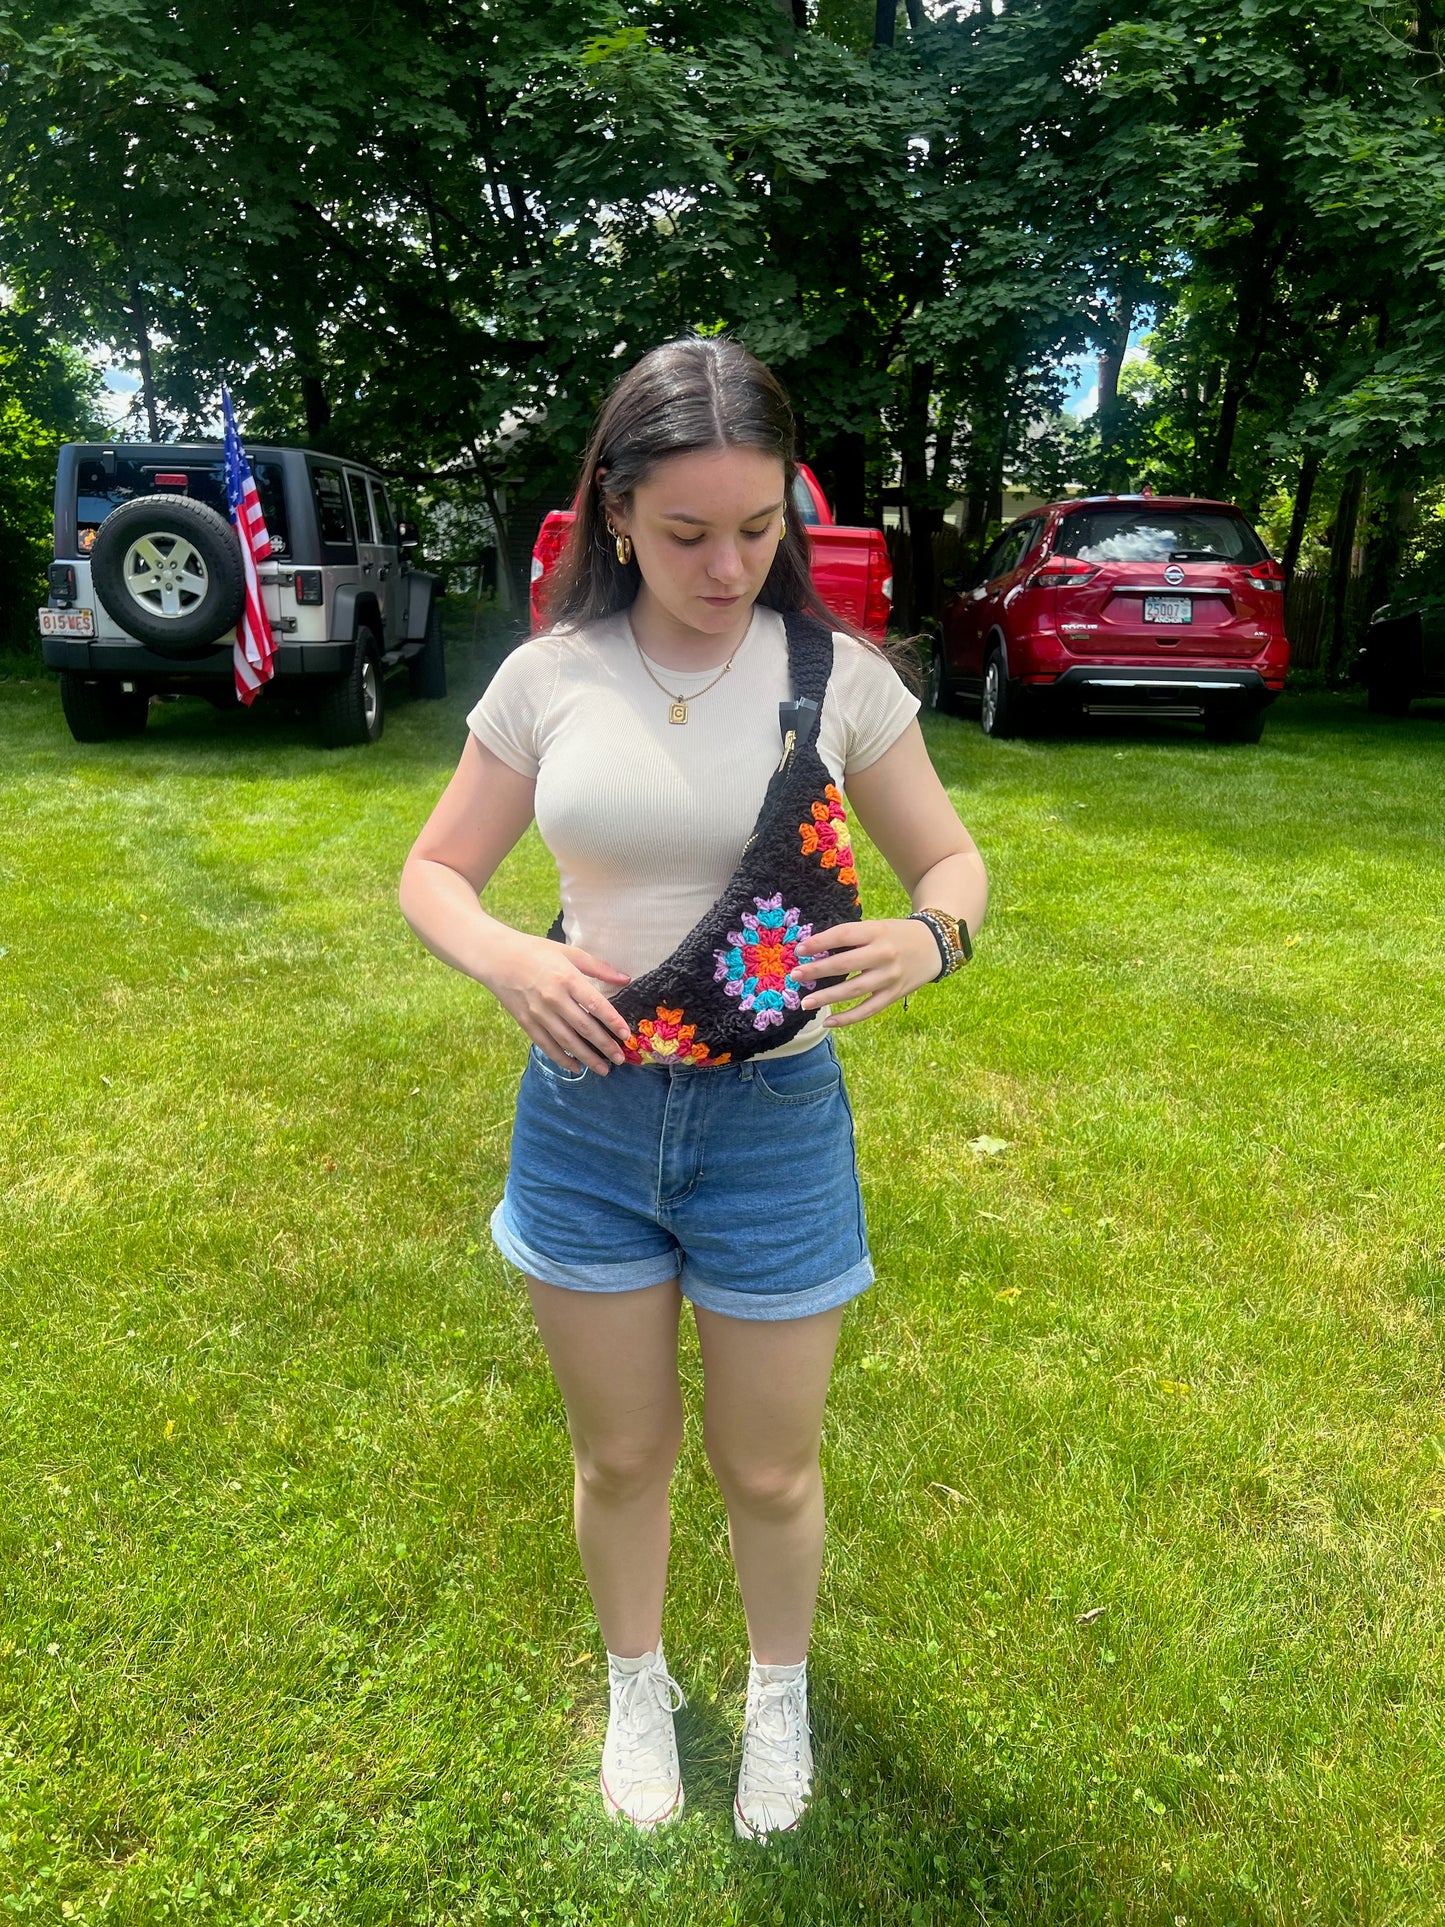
291 1621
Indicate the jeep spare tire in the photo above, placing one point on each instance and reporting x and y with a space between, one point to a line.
169 571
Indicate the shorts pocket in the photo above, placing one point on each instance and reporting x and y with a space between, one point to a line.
555 1071
803 1077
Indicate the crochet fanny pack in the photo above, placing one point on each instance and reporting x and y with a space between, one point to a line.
727 992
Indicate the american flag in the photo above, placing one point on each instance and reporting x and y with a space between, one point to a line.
255 653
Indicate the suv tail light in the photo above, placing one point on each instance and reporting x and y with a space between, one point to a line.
1267 575
62 585
308 585
1060 569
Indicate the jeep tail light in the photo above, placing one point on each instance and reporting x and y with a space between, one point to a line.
1062 570
62 585
1267 575
172 481
308 586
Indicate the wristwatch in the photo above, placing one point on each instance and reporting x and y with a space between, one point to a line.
950 933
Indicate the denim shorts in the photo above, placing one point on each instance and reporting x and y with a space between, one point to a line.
738 1180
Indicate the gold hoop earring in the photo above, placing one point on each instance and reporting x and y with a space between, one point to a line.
624 544
782 526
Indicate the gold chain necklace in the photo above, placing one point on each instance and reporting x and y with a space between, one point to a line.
678 712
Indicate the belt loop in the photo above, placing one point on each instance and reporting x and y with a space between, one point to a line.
745 1070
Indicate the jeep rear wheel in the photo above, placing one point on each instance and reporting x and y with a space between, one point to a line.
99 712
169 571
352 710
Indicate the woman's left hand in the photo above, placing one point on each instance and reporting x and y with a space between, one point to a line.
888 956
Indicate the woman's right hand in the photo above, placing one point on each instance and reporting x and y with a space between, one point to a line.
547 987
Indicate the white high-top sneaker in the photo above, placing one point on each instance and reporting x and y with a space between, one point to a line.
776 1779
641 1780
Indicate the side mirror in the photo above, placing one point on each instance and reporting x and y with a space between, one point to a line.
406 535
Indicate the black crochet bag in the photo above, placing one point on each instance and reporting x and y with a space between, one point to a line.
725 993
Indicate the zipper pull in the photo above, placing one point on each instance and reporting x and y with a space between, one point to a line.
789 741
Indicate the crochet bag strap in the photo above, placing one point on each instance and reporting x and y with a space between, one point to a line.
810 665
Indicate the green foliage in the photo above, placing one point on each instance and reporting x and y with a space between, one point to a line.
432 242
48 394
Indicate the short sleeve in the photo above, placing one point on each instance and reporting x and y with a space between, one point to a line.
875 705
508 718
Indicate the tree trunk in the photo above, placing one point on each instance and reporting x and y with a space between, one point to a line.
1342 553
1114 473
915 15
1385 541
884 21
1299 516
923 517
847 471
143 350
506 591
1255 287
318 409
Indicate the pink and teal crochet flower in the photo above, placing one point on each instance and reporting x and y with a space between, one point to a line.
757 969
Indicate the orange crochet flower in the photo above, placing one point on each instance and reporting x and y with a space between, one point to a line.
666 1039
828 833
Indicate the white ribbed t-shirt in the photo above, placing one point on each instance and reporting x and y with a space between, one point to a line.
646 818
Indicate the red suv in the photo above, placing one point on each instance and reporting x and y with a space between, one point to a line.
1124 605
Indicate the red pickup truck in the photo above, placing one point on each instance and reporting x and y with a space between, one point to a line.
850 566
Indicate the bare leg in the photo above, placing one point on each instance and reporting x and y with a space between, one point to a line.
614 1356
765 1385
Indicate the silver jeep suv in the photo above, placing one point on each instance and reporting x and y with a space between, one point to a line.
146 587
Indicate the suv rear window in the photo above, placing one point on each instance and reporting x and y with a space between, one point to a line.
331 507
1146 534
96 494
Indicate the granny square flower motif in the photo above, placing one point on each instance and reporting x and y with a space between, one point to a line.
828 834
757 969
666 1039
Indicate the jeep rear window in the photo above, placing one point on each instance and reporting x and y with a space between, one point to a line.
330 507
98 493
360 514
385 527
1145 534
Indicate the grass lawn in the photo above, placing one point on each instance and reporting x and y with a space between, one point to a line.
1135 1458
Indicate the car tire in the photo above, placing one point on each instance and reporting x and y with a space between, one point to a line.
998 704
1235 728
1381 700
351 711
169 571
99 712
428 671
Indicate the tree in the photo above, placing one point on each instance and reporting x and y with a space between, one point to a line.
48 395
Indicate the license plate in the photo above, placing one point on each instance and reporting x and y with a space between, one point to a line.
1168 608
67 622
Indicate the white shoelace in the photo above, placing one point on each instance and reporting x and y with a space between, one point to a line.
774 1742
644 1705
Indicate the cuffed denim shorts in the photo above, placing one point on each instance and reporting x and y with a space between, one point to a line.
738 1180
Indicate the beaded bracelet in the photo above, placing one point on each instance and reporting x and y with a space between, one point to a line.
950 933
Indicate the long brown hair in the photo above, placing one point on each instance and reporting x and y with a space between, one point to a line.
697 392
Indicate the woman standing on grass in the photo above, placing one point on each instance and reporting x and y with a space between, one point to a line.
642 733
